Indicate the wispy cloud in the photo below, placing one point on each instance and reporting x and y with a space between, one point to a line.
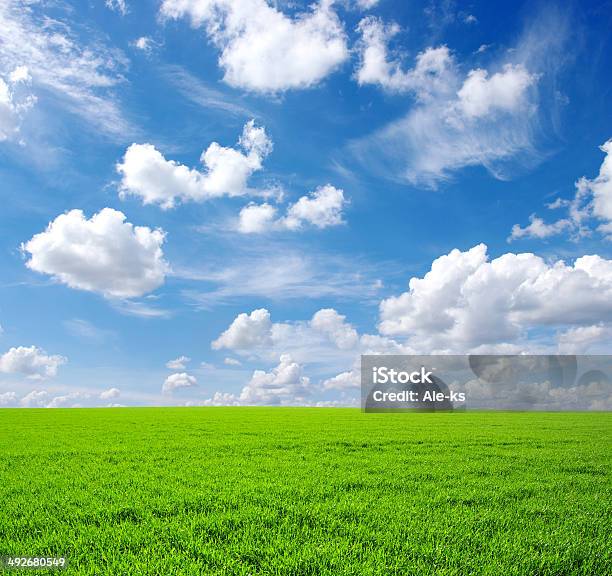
86 330
496 118
139 309
81 76
282 275
202 94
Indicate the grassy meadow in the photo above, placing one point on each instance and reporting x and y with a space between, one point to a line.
292 491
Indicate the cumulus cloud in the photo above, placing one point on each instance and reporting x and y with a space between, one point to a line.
246 331
433 71
220 399
582 339
327 321
326 339
506 91
178 380
326 343
592 201
284 384
466 300
110 394
35 399
179 363
70 400
8 398
537 228
322 208
45 399
344 381
264 50
15 100
466 303
80 78
102 254
601 188
30 361
147 174
257 218
537 385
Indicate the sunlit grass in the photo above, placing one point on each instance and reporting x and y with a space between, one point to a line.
307 491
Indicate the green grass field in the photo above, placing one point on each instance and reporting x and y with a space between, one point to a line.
291 491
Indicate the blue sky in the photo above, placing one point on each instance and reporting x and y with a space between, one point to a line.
258 184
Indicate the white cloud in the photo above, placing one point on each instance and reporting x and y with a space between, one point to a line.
538 389
322 208
15 100
110 394
8 398
537 228
344 381
465 304
505 91
326 343
493 118
30 361
264 50
366 4
231 362
178 380
220 399
281 274
179 363
117 6
285 384
81 78
457 126
326 340
104 254
246 331
144 43
582 339
139 309
85 329
20 74
334 326
147 174
44 399
592 201
205 93
257 218
35 399
433 71
70 400
601 187
256 331
466 300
